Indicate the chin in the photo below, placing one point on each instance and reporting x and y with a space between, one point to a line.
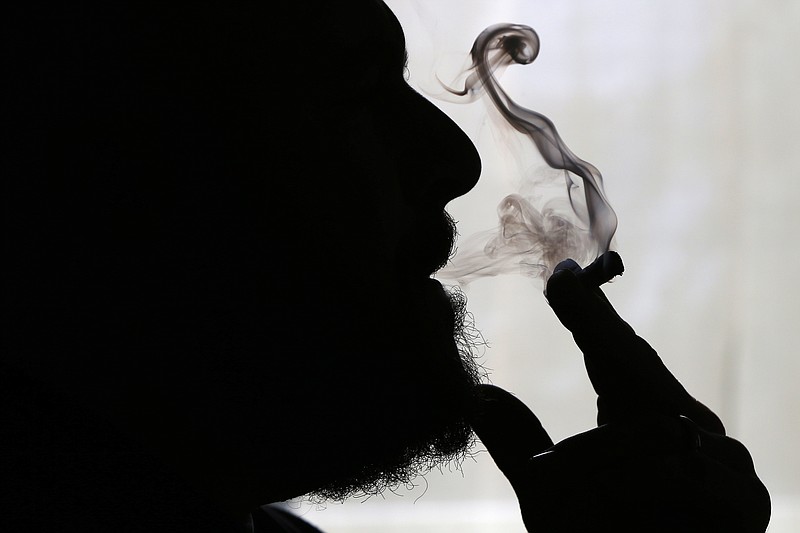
372 395
406 410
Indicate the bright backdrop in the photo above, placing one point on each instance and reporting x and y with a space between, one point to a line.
690 110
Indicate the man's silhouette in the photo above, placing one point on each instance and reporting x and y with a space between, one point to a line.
220 226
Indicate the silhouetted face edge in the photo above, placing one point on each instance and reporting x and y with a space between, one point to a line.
375 232
243 212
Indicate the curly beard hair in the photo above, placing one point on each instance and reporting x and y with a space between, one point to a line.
448 442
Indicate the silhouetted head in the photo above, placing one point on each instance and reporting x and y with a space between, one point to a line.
221 224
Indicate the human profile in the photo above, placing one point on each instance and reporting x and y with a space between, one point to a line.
222 223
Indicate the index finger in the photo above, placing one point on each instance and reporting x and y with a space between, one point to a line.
626 372
575 296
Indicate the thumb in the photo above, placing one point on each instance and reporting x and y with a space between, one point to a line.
510 431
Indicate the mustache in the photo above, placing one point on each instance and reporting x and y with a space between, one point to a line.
431 244
447 230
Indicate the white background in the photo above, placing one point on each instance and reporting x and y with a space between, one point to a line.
690 110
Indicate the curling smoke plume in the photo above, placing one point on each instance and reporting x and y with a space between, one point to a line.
537 230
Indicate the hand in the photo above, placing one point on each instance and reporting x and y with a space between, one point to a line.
659 460
626 372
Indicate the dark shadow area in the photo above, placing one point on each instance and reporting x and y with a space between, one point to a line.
219 229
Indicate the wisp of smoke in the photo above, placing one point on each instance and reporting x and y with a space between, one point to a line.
536 230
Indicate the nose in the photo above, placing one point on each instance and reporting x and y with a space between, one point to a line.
438 160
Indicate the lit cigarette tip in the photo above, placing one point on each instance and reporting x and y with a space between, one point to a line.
602 269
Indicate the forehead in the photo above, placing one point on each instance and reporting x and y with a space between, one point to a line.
340 43
365 28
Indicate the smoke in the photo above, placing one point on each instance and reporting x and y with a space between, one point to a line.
558 212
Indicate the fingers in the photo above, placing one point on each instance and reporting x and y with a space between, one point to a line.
599 478
582 309
730 475
641 473
609 410
724 450
510 431
627 374
701 415
625 371
610 444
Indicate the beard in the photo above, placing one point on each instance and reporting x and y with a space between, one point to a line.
426 425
